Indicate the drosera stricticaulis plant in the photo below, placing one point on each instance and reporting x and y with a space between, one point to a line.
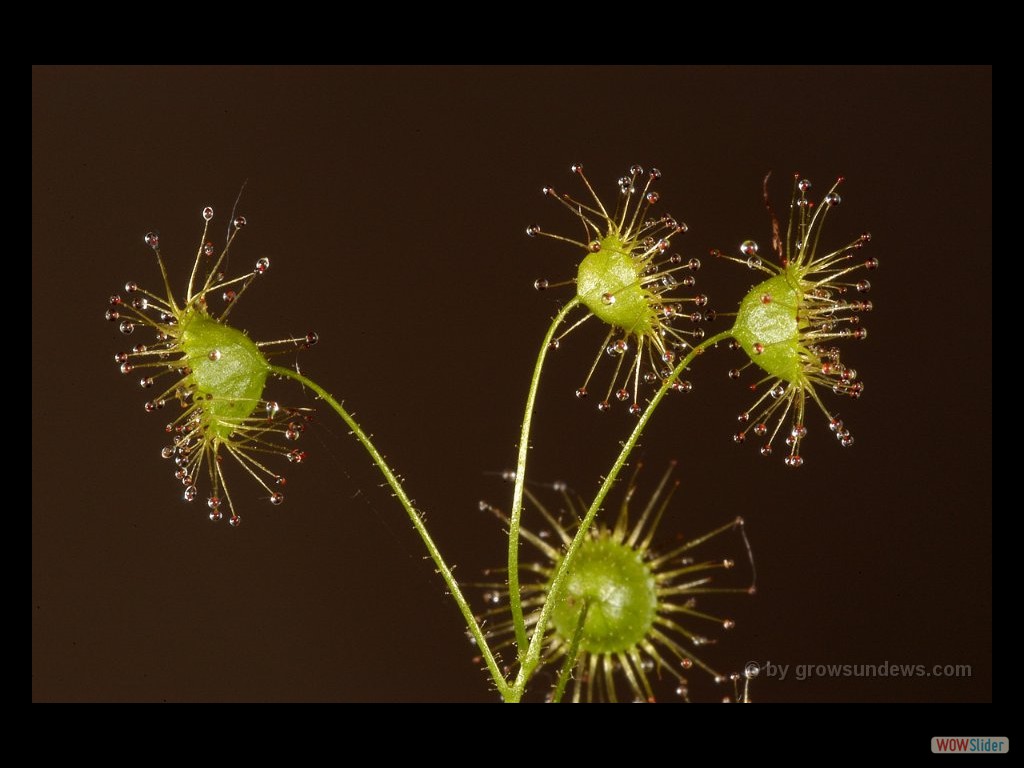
789 324
219 375
216 373
629 279
627 617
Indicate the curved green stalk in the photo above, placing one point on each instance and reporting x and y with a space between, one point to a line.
421 529
514 598
530 660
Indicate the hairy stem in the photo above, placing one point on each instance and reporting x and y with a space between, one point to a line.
531 659
417 522
571 656
515 599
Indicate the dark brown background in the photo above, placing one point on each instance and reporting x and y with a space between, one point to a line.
392 203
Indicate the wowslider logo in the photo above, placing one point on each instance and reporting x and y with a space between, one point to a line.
975 745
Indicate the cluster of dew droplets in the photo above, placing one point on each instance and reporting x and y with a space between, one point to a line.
825 315
193 450
784 399
162 356
828 277
659 273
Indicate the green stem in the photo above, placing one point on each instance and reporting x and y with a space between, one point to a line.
417 522
532 657
571 656
515 599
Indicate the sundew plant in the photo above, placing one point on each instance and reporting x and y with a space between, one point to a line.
589 593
